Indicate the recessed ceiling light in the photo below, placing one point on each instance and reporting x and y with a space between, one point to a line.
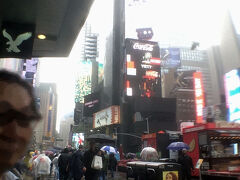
41 36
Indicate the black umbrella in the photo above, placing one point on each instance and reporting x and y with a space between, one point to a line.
100 138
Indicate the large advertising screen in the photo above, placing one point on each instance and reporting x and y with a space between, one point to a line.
232 91
182 80
170 57
77 139
91 104
108 116
143 74
83 81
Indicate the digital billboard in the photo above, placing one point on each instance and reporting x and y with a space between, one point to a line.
143 74
91 104
170 57
182 80
232 91
83 81
100 72
77 139
199 96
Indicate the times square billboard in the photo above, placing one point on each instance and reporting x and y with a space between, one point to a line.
143 73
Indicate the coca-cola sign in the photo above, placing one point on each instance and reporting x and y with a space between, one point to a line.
142 68
143 47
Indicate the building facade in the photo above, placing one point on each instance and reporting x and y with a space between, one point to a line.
46 129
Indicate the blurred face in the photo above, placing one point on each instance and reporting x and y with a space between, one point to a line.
15 126
169 177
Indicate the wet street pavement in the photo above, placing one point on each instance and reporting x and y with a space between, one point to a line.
118 176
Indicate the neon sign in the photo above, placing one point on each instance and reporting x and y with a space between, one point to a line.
199 96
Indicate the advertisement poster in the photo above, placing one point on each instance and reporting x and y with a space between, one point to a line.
170 57
199 163
232 88
170 175
108 116
83 84
91 104
143 74
77 139
100 72
182 80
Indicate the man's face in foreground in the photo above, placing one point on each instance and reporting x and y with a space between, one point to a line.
15 126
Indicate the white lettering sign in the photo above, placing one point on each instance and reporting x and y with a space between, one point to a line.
143 47
145 66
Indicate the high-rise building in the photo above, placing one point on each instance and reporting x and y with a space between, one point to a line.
193 60
179 83
64 132
46 128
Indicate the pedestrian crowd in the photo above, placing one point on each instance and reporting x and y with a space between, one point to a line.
69 164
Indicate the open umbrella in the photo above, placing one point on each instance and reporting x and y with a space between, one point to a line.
109 149
149 154
178 146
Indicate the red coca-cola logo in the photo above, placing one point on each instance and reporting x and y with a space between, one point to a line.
143 47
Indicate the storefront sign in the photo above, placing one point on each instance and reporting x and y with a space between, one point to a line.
185 125
224 124
199 96
106 117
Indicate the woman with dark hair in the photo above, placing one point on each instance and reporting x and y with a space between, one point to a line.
18 117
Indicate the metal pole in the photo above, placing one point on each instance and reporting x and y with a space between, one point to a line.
147 125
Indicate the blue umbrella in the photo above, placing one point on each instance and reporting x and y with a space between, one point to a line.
109 149
178 146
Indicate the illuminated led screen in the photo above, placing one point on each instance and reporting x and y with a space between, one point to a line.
170 57
199 96
83 81
143 76
232 90
77 139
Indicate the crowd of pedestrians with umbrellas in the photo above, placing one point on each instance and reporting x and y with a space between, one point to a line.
94 163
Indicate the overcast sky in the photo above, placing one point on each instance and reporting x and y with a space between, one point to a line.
179 20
